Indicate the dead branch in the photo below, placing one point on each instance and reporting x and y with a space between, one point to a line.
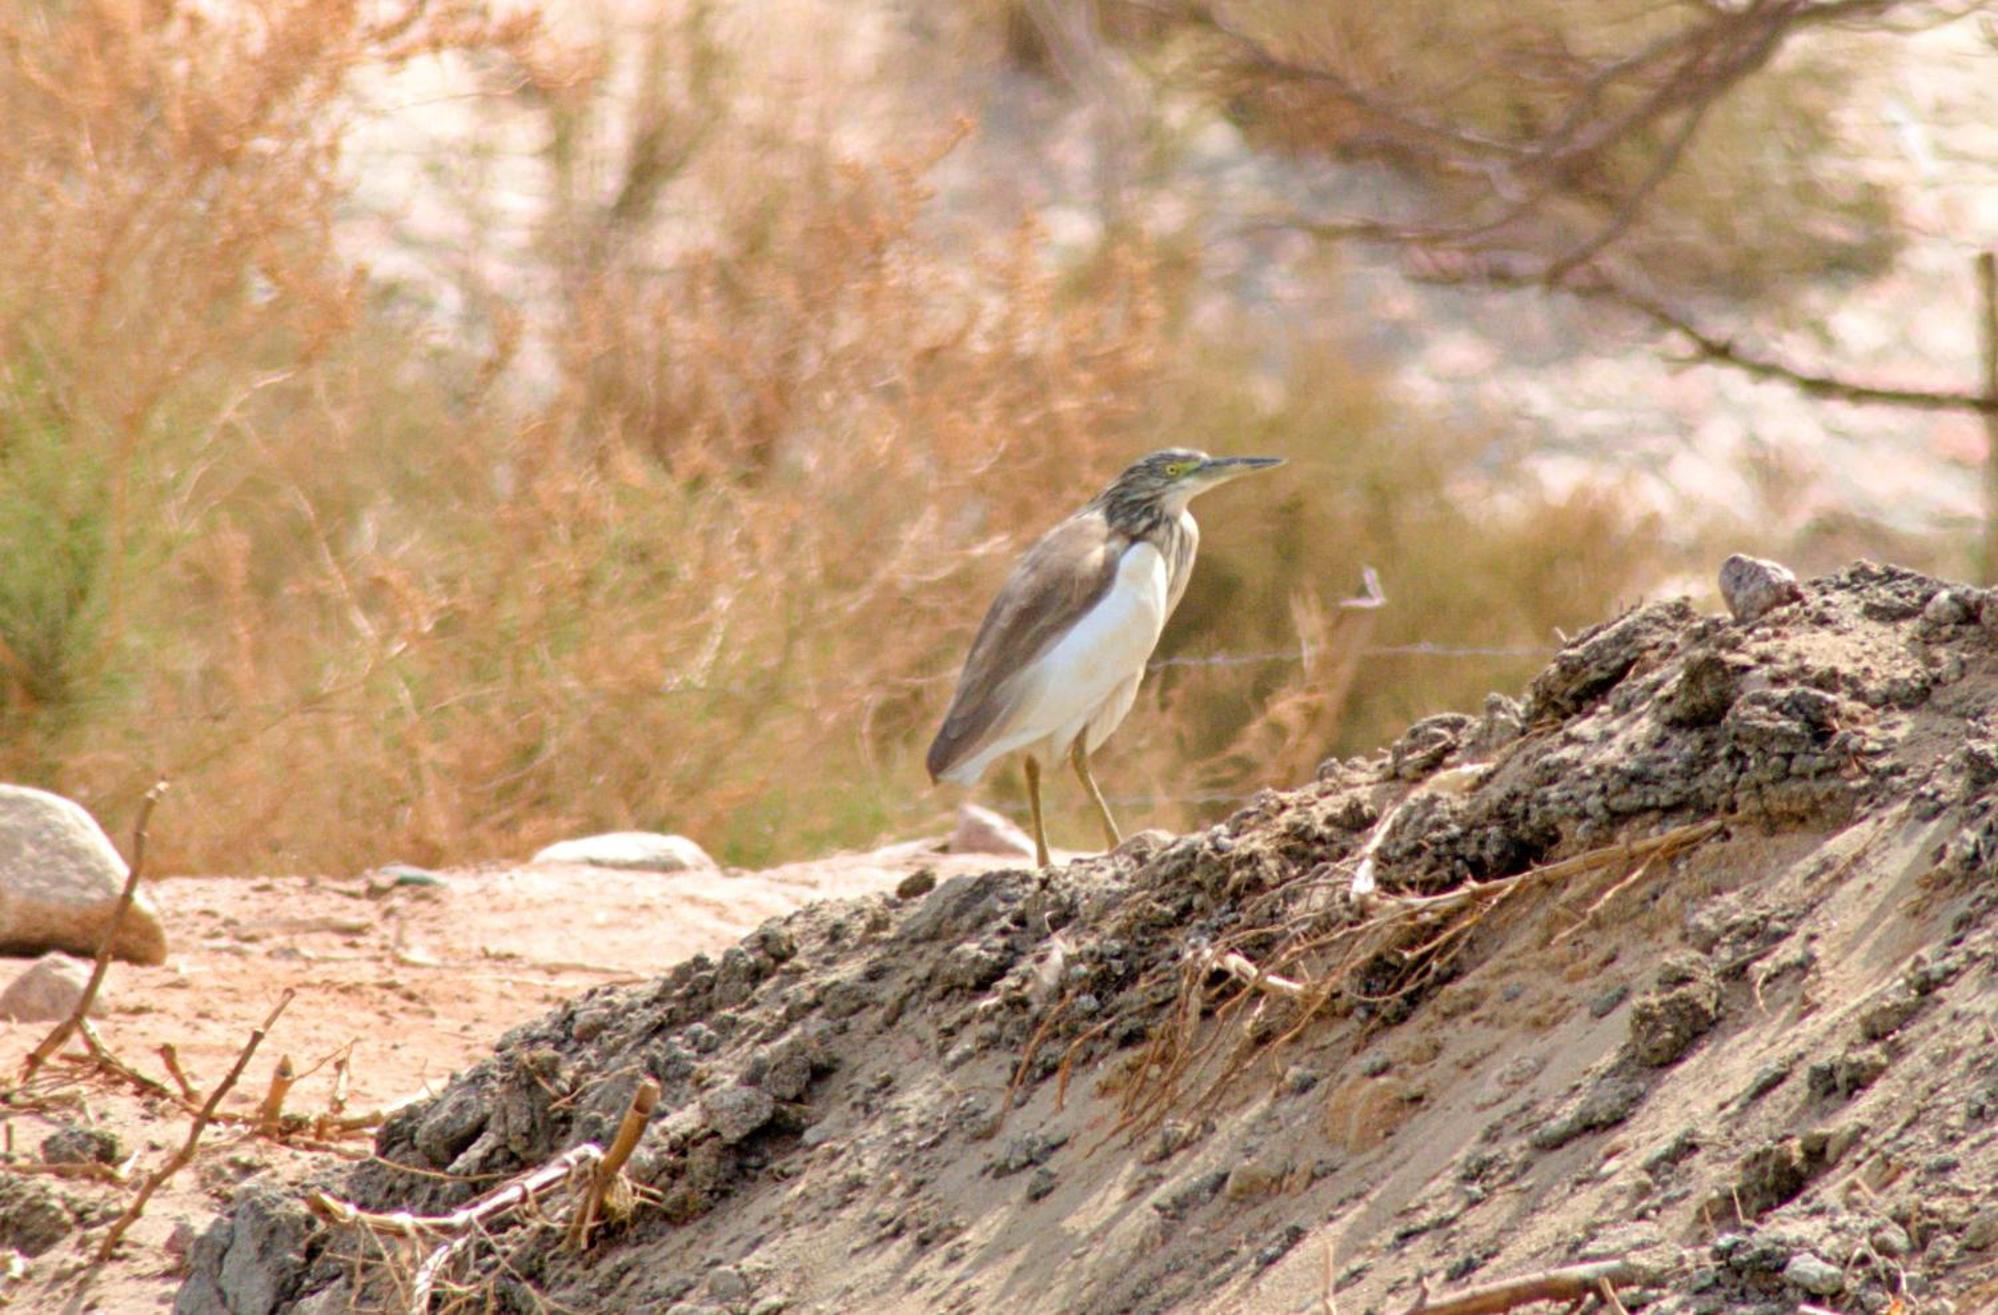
270 1116
171 1058
1526 175
1566 1284
1243 971
182 1156
67 1027
90 1169
629 1130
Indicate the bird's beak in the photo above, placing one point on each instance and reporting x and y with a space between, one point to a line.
1218 470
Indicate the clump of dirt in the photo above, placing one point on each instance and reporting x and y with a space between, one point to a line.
1686 960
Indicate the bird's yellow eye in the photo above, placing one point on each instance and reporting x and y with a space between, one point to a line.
1178 468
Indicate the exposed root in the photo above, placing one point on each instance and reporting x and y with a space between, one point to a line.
1567 1284
180 1158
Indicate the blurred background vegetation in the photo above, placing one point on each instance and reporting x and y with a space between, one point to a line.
748 347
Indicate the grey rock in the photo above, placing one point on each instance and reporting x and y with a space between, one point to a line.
250 1261
1609 1102
1040 1183
637 851
1752 587
1596 661
1373 1064
1981 1233
982 831
727 1285
60 878
1890 1239
47 989
1848 1075
33 1218
1885 1018
1298 1079
77 1144
736 1112
955 908
1818 1277
1950 607
917 884
452 1123
1664 1023
1424 746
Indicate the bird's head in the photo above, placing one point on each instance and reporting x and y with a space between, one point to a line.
1165 481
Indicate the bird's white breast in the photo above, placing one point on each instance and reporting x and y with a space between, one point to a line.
1099 660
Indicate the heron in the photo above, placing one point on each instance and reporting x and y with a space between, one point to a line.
1057 661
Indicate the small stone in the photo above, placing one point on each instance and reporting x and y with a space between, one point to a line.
770 1306
1248 1181
816 1135
1981 1232
1890 1239
918 883
452 1123
982 831
1373 1065
1298 1079
33 1217
1752 587
1817 1277
1885 1018
180 1242
47 990
1040 1183
77 1144
726 1284
1665 1023
635 851
1950 607
736 1112
1606 1004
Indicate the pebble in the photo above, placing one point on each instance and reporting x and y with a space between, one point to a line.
736 1112
1374 1065
1298 1079
80 1145
1982 1231
920 882
726 1284
1817 1277
1890 1239
47 990
1040 1183
1248 1181
1753 587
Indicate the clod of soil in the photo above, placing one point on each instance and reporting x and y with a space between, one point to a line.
1706 856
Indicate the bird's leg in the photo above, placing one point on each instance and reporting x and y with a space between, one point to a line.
1034 802
1080 757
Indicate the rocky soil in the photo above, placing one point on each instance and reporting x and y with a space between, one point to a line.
1686 959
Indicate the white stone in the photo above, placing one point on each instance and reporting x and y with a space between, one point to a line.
982 831
60 878
46 990
645 851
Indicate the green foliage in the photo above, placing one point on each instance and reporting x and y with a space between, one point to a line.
54 540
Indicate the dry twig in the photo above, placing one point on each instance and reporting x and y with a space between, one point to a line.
78 1016
1566 1284
181 1157
606 1173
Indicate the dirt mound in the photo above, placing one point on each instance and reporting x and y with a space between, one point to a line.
1685 961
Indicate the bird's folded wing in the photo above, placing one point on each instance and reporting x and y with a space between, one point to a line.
1056 583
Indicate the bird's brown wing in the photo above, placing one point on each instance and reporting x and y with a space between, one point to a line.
1059 580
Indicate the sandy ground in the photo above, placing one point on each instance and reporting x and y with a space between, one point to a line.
409 982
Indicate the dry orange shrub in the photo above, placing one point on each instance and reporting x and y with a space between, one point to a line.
364 602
